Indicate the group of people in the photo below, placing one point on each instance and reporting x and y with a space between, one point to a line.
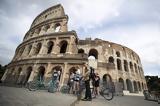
90 78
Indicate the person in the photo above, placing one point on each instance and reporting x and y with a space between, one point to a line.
97 81
71 82
77 78
55 81
86 78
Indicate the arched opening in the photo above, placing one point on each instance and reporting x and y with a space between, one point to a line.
38 30
119 66
94 53
38 48
135 86
72 71
46 28
142 86
21 51
80 51
111 60
107 80
28 73
18 73
63 46
122 82
131 66
41 72
50 47
57 69
125 65
118 54
139 86
135 66
129 85
57 27
29 49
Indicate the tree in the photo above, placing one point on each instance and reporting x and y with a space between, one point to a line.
153 83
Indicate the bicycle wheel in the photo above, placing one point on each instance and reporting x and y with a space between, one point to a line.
32 86
65 89
107 94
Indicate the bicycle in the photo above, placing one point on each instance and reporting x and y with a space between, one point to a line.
65 89
107 93
36 85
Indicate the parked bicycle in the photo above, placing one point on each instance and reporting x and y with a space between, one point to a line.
40 85
36 85
107 93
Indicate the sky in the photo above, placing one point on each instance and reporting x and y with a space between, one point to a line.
132 23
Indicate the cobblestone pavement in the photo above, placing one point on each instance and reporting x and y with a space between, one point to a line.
10 96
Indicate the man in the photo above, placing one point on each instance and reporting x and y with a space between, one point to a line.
86 78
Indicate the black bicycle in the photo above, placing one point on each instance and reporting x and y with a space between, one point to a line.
107 93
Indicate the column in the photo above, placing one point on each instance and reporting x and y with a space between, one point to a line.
56 47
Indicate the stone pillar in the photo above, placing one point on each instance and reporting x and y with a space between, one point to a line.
42 30
33 73
43 48
64 27
56 48
125 85
51 28
63 77
33 49
47 77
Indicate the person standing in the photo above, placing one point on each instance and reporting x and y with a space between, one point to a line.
86 78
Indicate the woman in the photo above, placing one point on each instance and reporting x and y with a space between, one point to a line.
97 81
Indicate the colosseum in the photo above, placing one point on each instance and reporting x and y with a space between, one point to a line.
49 46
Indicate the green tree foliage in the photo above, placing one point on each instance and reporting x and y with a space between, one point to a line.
153 83
2 70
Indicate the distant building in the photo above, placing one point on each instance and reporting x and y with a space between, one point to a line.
48 46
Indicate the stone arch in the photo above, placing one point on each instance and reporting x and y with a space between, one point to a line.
142 86
21 51
57 68
139 86
80 51
47 27
118 54
18 74
111 60
125 65
38 30
135 86
28 74
107 80
50 45
129 85
29 49
57 27
41 73
63 46
119 65
122 82
131 66
135 66
94 53
38 48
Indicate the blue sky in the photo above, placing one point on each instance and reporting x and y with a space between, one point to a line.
133 23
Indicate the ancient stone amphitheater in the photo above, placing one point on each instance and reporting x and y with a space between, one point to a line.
49 46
